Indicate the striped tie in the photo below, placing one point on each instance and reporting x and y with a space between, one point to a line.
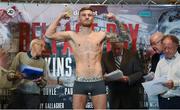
117 62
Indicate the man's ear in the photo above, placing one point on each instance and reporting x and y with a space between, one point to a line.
32 46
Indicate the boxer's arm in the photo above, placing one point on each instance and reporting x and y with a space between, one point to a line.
113 37
120 34
51 31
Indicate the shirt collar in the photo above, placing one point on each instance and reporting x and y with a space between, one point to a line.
120 54
161 56
30 56
175 56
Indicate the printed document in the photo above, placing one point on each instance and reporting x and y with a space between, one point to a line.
115 75
155 86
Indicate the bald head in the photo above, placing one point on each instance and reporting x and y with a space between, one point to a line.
37 46
155 41
36 41
156 36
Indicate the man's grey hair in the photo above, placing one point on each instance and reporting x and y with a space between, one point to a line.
159 34
34 41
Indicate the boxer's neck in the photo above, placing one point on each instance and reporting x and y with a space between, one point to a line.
85 30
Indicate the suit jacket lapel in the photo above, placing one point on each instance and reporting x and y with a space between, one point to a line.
111 60
125 58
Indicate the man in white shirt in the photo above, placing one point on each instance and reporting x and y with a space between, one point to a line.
169 67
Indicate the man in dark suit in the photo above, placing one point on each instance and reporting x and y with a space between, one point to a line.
155 41
124 92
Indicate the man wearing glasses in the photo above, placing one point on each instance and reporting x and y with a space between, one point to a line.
155 42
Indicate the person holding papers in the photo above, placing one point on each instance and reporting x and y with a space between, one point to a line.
28 71
123 89
155 42
169 67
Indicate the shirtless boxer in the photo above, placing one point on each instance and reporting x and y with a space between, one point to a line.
87 50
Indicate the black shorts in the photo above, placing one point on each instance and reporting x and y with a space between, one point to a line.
95 88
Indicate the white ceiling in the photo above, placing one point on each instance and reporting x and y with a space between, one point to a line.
99 1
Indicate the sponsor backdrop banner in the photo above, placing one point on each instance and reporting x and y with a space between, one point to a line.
20 23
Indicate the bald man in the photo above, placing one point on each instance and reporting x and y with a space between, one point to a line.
26 89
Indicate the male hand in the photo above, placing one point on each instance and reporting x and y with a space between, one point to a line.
38 80
169 84
18 75
149 76
124 79
66 15
105 77
110 16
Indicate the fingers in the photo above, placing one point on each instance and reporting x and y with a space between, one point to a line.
169 84
110 16
69 12
38 79
63 15
18 76
66 15
124 79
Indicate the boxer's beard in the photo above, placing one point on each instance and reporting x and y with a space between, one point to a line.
87 24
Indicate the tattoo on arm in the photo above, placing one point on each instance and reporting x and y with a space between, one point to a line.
112 37
121 35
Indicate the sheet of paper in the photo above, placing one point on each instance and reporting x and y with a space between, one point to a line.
114 75
149 76
172 92
155 86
